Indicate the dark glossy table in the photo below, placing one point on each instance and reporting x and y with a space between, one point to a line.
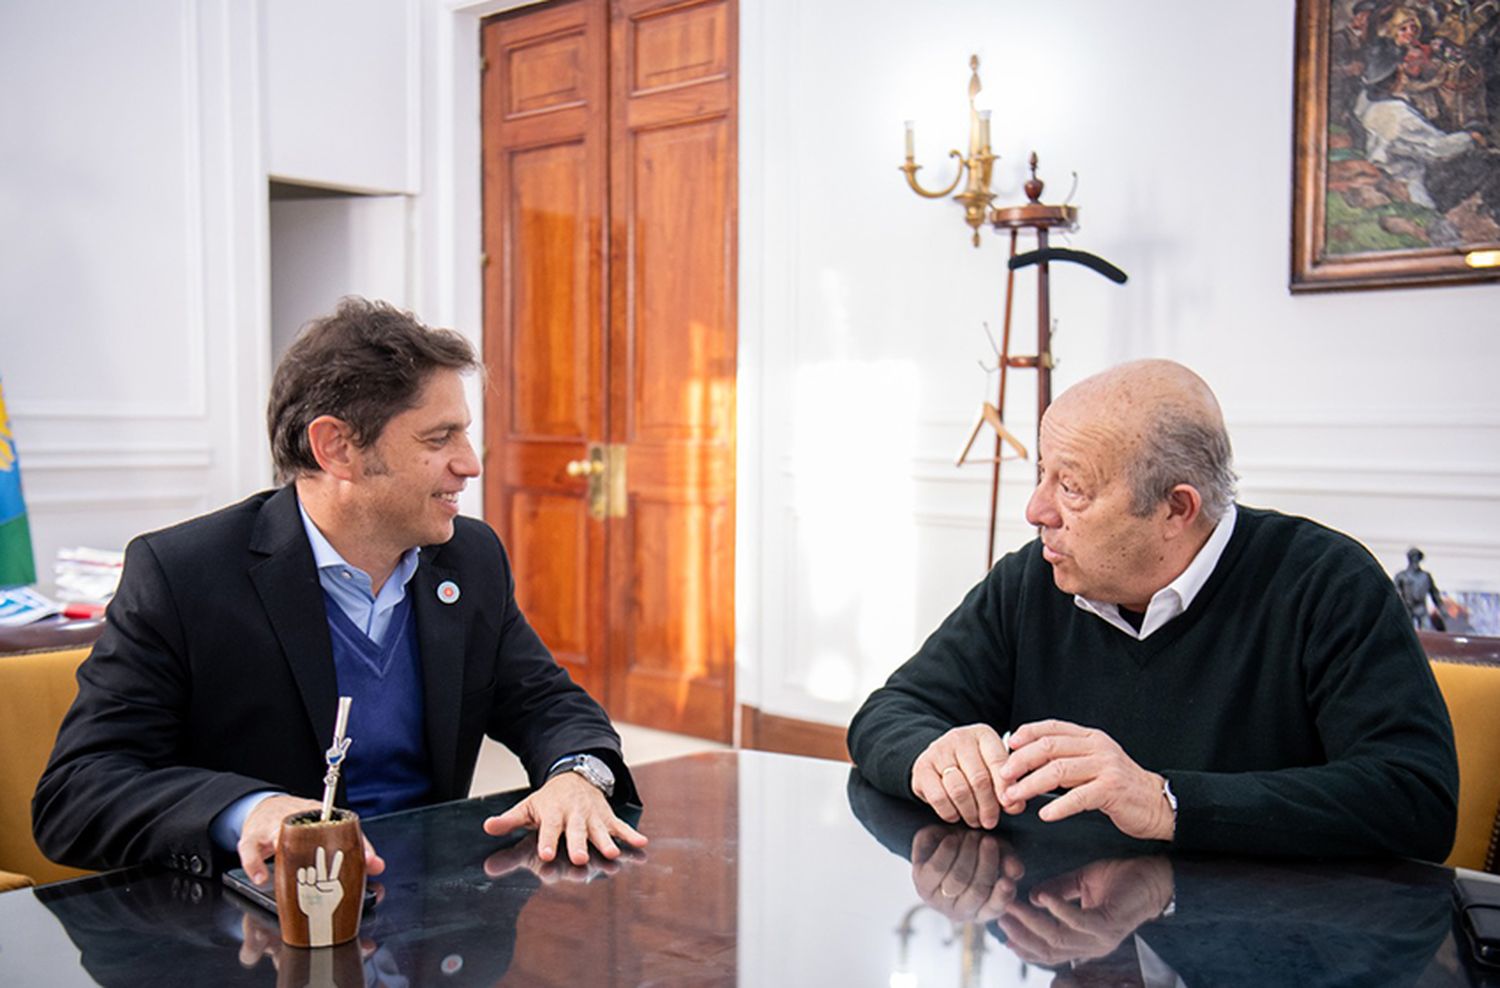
771 870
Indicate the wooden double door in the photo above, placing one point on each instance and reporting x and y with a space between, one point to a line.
610 234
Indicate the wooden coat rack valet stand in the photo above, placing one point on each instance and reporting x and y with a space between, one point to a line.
1033 215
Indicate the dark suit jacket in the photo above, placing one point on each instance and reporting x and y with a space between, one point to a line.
214 678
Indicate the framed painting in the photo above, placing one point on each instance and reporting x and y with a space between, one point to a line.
1396 157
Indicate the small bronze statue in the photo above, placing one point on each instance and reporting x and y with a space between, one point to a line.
1414 586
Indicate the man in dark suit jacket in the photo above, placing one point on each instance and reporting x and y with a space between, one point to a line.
205 708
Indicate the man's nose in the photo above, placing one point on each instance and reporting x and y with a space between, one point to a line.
1040 510
466 463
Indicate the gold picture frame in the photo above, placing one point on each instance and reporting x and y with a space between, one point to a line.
1396 178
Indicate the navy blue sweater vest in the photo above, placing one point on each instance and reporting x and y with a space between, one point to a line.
387 767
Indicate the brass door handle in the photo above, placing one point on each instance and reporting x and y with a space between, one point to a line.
604 468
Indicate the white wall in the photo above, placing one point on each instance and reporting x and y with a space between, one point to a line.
861 311
134 264
134 233
128 216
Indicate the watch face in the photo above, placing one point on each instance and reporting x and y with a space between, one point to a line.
597 772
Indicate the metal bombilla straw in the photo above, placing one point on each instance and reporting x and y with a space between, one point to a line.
335 756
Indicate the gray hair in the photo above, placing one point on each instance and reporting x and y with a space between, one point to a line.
1181 447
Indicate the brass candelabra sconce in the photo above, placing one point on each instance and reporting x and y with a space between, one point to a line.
977 165
1034 217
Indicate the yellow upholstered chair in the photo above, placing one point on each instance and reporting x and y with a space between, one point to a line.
36 689
1468 673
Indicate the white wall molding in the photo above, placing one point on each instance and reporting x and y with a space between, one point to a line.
188 401
1468 548
1379 542
145 355
236 225
963 522
189 498
777 675
1423 419
195 400
415 87
1477 470
57 458
1258 486
752 592
1399 478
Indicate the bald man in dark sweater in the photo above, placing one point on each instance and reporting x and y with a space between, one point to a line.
1217 676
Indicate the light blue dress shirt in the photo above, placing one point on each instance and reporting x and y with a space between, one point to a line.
349 587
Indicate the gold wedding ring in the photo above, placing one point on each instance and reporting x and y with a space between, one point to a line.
950 768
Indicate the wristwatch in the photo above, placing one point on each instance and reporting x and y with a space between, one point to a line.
593 770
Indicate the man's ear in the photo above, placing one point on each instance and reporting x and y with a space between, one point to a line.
332 445
1184 509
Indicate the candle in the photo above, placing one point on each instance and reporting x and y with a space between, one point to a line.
984 129
911 144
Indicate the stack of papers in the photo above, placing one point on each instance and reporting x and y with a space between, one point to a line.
88 575
23 605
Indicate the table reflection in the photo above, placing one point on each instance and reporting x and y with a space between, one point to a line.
972 876
769 870
446 909
355 964
1076 904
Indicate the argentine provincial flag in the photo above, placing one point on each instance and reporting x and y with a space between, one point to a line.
17 566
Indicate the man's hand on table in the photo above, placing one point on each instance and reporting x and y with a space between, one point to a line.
1086 914
1055 754
958 775
968 876
263 825
568 806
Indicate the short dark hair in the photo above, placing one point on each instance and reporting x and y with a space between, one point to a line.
364 364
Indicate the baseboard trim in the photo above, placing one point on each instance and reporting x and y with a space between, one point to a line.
789 736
